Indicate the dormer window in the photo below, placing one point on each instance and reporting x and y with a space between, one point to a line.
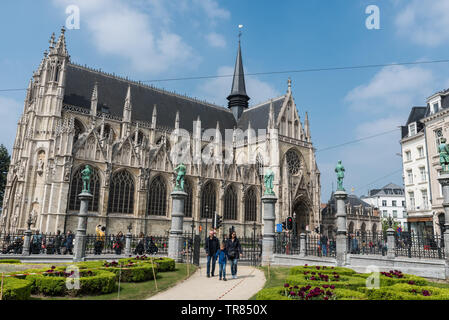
412 129
435 107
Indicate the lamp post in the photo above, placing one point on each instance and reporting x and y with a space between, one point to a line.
128 240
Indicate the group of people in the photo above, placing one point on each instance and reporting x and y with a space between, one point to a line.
230 249
57 244
145 245
325 246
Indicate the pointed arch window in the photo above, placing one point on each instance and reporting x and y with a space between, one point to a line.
157 201
251 205
293 162
76 187
79 129
188 200
121 193
230 204
208 201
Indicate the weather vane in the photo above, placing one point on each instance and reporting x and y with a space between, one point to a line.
240 31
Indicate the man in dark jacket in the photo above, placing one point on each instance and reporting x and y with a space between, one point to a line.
58 242
211 246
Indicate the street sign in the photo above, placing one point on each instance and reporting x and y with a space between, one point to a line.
279 227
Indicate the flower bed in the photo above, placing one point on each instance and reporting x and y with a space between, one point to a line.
16 289
163 264
322 270
283 293
53 282
10 261
403 291
131 271
394 277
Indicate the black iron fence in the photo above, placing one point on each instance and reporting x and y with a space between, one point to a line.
287 243
11 243
419 246
320 246
367 243
251 250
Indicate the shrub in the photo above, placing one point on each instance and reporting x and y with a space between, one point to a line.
10 261
403 291
344 282
54 283
132 272
322 270
163 264
278 293
16 289
386 281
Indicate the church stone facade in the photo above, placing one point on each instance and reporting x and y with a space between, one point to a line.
131 134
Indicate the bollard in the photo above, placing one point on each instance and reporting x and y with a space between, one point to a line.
128 244
390 244
302 245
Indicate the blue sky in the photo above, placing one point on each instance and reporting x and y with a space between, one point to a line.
156 39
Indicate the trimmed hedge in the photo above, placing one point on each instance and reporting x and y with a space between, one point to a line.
137 273
10 261
163 264
344 282
402 291
276 293
387 281
16 289
322 270
99 282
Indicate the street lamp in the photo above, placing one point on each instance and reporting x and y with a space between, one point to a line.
29 222
130 226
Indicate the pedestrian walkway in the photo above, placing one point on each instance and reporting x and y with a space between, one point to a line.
198 287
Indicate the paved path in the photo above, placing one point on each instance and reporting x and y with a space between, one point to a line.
198 287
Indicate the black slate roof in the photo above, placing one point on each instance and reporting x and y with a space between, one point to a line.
352 199
444 101
258 115
390 189
112 91
416 114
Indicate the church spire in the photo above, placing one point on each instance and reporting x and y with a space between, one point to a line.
238 99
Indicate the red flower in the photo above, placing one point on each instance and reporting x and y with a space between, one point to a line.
332 287
286 285
425 293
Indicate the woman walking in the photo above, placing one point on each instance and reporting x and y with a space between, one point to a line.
234 252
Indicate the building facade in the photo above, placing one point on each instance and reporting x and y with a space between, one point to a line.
436 126
416 174
390 202
134 135
361 217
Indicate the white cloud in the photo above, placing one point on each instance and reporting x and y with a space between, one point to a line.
10 110
142 37
216 90
212 9
393 88
216 40
424 22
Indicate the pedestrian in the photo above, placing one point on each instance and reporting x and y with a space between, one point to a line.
68 243
222 256
100 238
323 241
234 252
140 248
58 242
211 247
118 243
151 246
37 243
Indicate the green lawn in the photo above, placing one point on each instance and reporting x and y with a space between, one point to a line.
138 291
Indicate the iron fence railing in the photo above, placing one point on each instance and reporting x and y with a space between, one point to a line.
11 243
287 243
419 246
320 246
367 243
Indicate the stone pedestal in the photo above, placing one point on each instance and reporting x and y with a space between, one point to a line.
26 243
175 240
391 244
79 252
341 241
302 245
444 181
128 244
269 217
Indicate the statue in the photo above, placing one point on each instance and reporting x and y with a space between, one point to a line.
268 180
33 217
180 170
340 170
443 149
85 176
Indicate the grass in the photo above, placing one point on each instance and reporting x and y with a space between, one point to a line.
139 290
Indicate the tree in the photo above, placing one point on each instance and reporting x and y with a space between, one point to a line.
386 226
5 159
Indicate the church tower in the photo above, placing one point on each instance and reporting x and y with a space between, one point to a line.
238 99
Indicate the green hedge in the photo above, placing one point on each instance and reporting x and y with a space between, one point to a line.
387 281
402 291
322 270
163 264
138 273
16 289
99 282
10 261
344 282
276 293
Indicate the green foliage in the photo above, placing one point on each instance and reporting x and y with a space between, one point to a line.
137 273
5 160
10 261
403 291
163 264
387 281
322 270
97 282
277 293
344 282
16 289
